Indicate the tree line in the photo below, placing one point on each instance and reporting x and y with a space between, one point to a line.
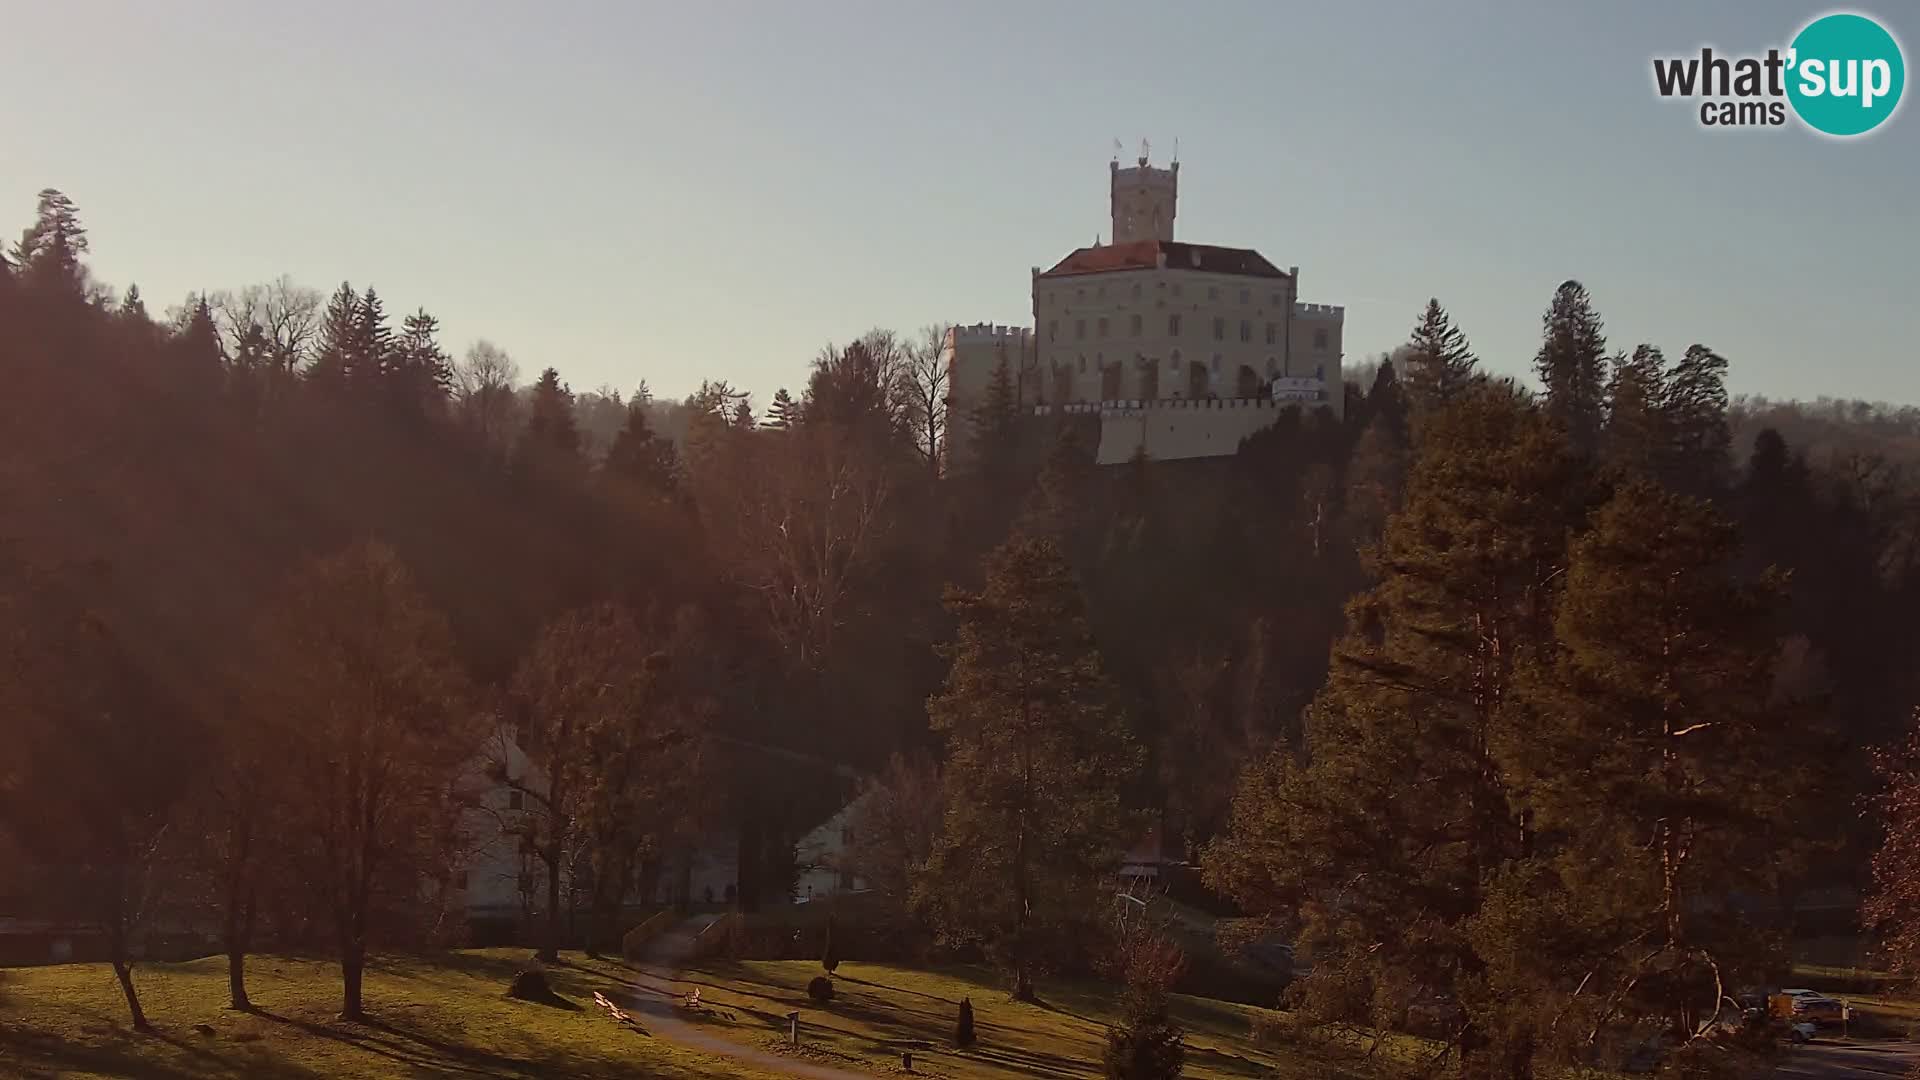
1508 703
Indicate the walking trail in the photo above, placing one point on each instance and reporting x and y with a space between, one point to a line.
665 957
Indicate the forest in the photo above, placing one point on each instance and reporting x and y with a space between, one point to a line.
1546 701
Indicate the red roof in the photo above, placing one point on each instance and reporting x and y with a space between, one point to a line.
1147 254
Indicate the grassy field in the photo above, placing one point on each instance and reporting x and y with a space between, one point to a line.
878 1010
449 1017
442 1018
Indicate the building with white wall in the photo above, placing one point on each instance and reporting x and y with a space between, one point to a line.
1183 349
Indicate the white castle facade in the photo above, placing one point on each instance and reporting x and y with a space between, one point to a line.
1182 349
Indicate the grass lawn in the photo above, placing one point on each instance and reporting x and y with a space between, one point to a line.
441 1017
879 1010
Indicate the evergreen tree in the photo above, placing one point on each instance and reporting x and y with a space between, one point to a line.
1636 440
49 251
1396 805
641 457
829 953
1695 406
995 426
421 372
1438 361
1037 756
132 307
1653 759
783 413
550 434
198 342
1572 363
963 1027
743 415
372 365
334 358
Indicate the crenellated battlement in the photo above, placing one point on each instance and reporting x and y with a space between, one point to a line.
1140 407
991 332
1319 311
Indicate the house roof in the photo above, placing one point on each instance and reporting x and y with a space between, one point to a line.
1148 255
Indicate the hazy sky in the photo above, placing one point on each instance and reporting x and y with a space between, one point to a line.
705 189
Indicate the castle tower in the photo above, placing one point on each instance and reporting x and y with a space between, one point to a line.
1143 200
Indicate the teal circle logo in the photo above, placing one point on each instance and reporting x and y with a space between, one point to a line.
1845 74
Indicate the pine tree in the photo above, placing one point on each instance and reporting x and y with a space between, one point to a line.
743 415
132 308
1695 406
829 953
1396 804
49 251
1037 755
1653 755
333 366
1571 364
1637 440
372 365
198 343
783 413
963 1027
550 435
642 458
995 421
1438 361
421 372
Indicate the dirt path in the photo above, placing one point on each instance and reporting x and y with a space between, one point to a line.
664 959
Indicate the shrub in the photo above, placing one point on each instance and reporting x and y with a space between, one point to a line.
1146 1046
829 956
963 1028
820 989
530 985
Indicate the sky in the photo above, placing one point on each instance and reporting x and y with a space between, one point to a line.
716 189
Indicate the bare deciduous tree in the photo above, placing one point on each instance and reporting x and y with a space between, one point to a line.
926 389
375 735
484 385
287 314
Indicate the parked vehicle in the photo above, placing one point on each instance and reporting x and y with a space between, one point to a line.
1809 1006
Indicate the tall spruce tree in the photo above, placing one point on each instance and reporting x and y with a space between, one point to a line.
642 458
995 435
784 413
372 367
1038 753
550 435
1438 361
420 372
1572 364
334 357
1695 406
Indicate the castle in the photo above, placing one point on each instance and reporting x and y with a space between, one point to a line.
1182 349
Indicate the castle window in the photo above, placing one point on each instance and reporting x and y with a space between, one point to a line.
1215 365
1272 368
1246 296
1053 330
1271 330
1320 338
1083 363
1134 325
1276 301
1174 360
1213 293
1136 290
1103 326
1079 294
1246 330
1219 329
1080 328
1173 325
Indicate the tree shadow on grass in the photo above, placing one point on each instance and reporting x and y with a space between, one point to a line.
896 989
59 1056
